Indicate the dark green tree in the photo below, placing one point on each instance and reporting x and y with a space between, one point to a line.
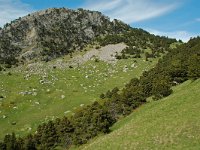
10 142
161 87
29 143
65 131
194 66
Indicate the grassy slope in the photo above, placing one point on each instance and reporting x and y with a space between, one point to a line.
171 123
27 113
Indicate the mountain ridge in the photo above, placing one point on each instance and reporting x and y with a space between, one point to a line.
53 32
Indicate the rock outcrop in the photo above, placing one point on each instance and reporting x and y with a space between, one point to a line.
51 33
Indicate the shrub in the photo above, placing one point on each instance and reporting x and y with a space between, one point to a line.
96 60
102 96
9 73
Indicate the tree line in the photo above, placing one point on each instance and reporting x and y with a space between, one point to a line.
137 40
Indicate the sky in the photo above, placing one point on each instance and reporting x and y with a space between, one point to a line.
173 18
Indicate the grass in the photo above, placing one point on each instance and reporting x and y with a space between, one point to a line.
171 123
66 91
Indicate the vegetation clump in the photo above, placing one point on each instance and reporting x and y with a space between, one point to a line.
138 41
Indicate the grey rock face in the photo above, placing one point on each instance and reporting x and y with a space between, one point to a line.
50 33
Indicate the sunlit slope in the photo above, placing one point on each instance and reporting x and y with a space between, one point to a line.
171 123
26 103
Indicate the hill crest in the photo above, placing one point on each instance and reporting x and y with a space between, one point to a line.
54 32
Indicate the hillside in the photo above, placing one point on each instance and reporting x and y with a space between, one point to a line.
57 90
67 76
89 55
171 123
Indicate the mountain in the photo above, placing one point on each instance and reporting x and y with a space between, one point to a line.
50 33
50 104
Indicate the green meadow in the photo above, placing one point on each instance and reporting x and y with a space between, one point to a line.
27 102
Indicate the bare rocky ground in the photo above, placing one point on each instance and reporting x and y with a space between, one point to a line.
106 54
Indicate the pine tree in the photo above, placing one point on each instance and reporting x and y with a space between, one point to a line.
29 143
194 66
65 131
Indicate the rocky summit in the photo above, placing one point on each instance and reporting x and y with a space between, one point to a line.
51 33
